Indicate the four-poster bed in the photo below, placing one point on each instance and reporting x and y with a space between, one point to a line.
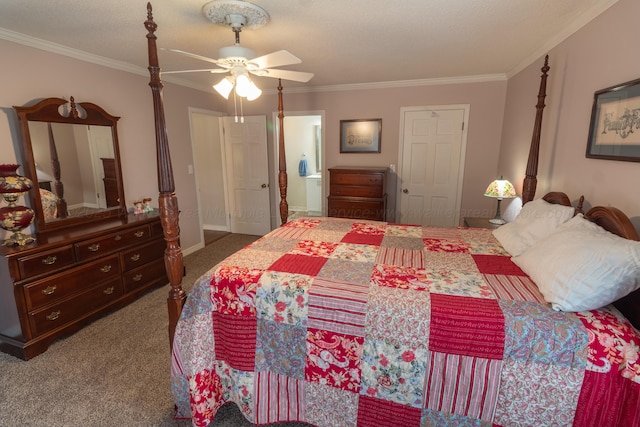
350 322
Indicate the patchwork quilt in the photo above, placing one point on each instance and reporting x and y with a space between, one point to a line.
339 322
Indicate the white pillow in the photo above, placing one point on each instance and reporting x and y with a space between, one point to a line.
582 266
536 220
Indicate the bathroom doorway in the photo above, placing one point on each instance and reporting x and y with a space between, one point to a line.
303 138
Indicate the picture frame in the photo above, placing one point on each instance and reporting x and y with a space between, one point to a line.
360 136
614 131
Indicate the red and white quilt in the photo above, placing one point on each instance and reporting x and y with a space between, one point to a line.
340 322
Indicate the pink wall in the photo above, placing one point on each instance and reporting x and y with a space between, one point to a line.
602 54
29 74
486 101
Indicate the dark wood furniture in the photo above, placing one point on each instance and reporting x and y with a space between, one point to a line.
81 265
474 222
54 128
52 288
110 182
358 192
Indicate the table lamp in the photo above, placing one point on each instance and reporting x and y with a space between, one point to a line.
500 189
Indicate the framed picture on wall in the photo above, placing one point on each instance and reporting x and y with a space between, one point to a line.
360 136
614 132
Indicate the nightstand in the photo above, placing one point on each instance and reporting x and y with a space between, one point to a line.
479 223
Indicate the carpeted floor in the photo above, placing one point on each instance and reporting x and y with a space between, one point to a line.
115 371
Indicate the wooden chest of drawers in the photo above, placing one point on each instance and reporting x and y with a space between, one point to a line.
357 192
66 279
110 182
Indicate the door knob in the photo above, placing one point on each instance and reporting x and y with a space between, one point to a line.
405 191
264 186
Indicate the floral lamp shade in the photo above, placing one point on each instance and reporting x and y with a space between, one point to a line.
500 189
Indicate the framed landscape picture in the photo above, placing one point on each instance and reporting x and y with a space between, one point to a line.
614 132
360 136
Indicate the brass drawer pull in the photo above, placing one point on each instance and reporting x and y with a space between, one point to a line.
106 268
137 277
51 259
118 237
94 247
135 257
54 315
139 233
108 291
48 290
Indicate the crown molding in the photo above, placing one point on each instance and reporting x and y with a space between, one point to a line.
59 49
80 55
573 27
394 84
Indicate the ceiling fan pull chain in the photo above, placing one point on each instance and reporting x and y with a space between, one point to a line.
235 106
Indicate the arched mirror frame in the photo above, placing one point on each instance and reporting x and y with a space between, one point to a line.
59 110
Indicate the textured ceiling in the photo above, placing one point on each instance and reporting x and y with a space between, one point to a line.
343 42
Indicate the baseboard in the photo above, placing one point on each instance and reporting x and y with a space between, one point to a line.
192 249
210 227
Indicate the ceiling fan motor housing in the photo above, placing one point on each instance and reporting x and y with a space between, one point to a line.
236 52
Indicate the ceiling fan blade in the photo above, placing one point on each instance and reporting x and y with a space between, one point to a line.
211 70
296 76
193 55
274 59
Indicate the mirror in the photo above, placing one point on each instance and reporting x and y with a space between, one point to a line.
71 151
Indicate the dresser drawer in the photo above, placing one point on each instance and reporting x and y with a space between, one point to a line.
156 229
100 246
345 207
355 191
143 254
71 309
46 262
142 276
363 179
50 289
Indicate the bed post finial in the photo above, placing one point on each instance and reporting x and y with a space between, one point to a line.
531 180
167 200
282 161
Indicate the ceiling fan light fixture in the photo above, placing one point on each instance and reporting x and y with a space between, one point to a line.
243 85
224 87
254 92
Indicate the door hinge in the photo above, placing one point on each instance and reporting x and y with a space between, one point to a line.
462 125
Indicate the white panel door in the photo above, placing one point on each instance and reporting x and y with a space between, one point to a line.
432 156
247 175
100 146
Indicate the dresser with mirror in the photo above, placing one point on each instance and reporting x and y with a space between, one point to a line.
90 255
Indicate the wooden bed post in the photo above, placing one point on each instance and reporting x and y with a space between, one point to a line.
282 161
531 180
167 200
61 204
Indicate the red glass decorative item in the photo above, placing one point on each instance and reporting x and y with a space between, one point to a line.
13 217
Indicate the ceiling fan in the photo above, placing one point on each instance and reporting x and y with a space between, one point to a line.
238 60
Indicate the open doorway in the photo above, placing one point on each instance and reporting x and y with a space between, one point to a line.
303 139
207 166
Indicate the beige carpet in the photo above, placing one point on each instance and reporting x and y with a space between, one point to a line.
114 372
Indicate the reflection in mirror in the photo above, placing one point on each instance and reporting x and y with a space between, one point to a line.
83 152
71 151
